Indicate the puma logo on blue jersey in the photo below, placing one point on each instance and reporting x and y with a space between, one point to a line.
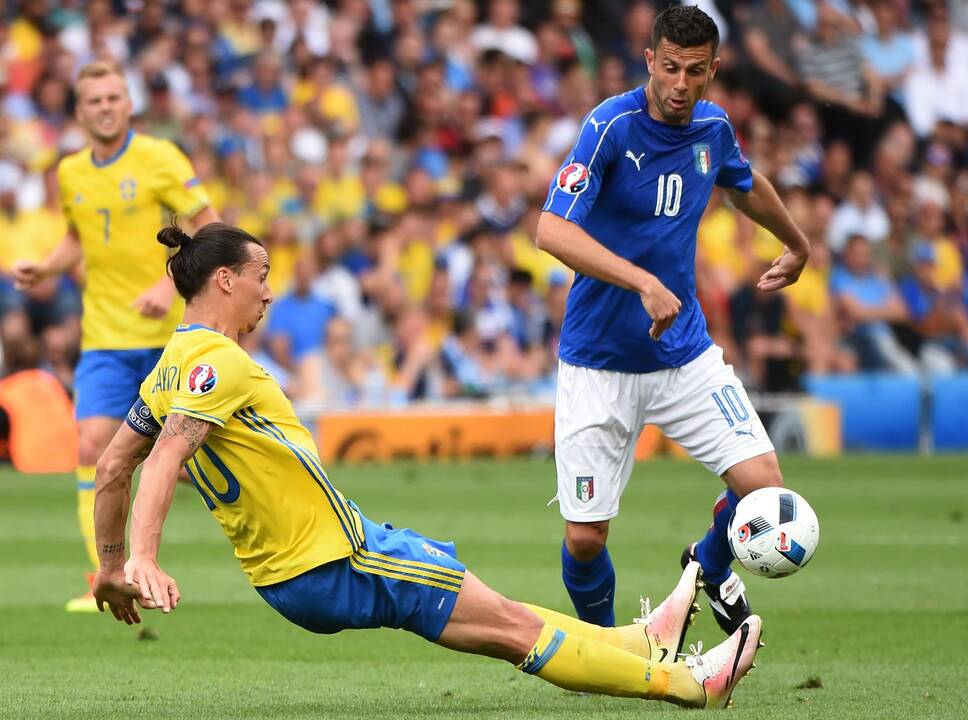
636 160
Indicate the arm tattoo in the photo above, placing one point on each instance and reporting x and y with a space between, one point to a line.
112 548
193 430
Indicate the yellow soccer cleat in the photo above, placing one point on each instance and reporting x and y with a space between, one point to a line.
83 603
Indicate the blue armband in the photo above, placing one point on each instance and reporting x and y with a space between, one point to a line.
141 420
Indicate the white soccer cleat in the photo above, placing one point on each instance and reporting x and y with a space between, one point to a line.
665 627
720 669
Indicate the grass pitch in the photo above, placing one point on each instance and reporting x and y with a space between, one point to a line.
875 627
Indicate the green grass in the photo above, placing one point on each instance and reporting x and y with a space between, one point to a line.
880 617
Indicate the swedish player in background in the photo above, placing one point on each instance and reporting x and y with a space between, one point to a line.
311 553
115 195
622 211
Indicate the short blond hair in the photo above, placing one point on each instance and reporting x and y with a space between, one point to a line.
98 69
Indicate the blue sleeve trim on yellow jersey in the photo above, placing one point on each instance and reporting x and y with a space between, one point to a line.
200 415
117 155
252 420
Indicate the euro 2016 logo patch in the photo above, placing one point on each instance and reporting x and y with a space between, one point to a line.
585 488
573 178
704 160
202 379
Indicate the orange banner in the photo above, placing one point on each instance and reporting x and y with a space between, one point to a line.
439 434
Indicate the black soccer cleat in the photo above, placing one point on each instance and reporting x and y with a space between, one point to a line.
728 600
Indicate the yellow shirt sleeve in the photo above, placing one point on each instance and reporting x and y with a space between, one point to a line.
180 189
214 384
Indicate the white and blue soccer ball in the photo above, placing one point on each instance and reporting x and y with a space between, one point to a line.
774 532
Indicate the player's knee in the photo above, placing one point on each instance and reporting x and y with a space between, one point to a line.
585 540
523 629
89 448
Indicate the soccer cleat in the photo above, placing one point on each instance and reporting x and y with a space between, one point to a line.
83 603
719 670
728 600
665 627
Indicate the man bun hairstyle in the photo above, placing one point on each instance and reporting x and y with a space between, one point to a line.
686 26
213 246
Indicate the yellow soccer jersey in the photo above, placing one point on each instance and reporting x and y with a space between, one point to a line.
116 208
258 471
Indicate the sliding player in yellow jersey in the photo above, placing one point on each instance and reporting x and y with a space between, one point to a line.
311 553
114 195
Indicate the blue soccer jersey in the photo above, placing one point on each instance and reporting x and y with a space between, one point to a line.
639 187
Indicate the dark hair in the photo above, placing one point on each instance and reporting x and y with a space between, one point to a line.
685 25
215 245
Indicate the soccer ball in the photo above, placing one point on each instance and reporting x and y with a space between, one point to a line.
774 532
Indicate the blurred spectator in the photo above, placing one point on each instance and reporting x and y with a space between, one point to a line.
772 39
836 75
938 84
868 304
339 376
890 52
298 320
938 314
859 214
501 32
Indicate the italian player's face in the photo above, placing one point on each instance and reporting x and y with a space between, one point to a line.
251 289
103 107
678 79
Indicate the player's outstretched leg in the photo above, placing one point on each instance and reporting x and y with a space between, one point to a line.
485 623
723 586
657 635
587 572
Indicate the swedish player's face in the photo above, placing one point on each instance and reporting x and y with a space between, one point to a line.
103 107
678 79
251 288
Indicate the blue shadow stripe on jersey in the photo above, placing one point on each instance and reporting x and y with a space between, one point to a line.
311 458
85 484
403 575
348 527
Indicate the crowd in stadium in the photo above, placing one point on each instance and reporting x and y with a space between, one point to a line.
394 155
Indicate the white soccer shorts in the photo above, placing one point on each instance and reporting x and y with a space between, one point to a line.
599 415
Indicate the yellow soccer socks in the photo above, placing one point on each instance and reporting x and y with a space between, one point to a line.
631 638
586 665
85 509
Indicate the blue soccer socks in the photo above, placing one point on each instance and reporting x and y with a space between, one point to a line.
591 586
713 551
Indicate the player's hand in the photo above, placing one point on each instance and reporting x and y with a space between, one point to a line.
663 307
785 271
157 590
155 302
26 274
111 589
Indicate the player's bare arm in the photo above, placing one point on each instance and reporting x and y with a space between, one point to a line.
112 500
763 206
67 254
180 437
583 253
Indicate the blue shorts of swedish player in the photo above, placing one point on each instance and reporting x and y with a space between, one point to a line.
106 382
399 579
